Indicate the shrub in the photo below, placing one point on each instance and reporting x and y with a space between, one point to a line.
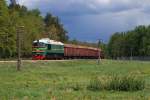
113 83
95 85
126 83
117 83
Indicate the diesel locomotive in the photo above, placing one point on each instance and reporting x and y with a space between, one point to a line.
45 49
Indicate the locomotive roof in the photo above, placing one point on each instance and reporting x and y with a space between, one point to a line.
48 41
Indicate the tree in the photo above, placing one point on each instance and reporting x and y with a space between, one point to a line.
136 42
33 26
14 16
54 29
6 35
116 45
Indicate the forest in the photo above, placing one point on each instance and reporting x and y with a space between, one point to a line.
35 26
131 43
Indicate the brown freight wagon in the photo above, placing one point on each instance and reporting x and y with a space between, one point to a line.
75 51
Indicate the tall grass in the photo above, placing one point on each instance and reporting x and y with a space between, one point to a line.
126 83
117 83
95 85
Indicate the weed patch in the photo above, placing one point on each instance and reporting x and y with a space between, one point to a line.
117 83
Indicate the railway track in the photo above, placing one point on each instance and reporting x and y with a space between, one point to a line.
15 61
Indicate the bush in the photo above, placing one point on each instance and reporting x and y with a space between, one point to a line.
95 85
126 83
117 83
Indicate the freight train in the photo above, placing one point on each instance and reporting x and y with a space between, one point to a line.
45 49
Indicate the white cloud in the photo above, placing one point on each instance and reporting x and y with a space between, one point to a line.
85 6
83 17
101 1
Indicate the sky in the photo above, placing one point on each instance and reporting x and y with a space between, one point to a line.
90 20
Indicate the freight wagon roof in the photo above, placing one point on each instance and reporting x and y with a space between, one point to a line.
79 46
48 41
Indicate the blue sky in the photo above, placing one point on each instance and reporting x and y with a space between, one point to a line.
89 20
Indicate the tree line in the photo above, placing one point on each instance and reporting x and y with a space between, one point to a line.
131 43
35 25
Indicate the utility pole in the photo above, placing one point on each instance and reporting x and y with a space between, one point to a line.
98 45
131 53
19 31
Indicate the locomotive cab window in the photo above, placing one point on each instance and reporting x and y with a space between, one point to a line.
35 44
39 44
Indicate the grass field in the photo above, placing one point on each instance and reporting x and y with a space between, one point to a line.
67 80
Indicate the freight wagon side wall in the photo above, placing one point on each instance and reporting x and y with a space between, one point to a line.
75 51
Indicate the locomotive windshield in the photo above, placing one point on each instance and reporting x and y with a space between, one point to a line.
38 50
39 44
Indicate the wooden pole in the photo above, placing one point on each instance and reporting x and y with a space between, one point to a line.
19 31
131 53
99 57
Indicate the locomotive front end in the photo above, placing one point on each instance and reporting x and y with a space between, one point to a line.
39 50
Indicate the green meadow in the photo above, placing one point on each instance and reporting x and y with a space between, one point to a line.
68 80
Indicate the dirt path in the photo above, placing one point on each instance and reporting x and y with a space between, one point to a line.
13 61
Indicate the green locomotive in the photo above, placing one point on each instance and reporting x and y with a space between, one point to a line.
47 49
